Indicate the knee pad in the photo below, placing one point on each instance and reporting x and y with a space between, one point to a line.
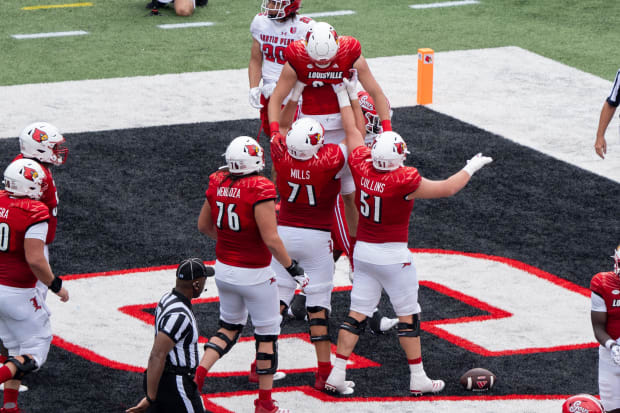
409 330
23 369
237 328
322 321
353 326
266 356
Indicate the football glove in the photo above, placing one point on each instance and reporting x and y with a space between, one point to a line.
278 145
255 98
615 353
298 274
267 89
477 162
341 93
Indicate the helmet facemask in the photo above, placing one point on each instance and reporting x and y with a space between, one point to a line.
281 9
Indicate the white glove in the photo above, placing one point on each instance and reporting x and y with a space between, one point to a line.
341 93
267 89
297 91
298 274
476 163
255 98
351 84
615 353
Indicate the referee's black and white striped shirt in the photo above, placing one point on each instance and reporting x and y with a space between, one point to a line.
614 97
175 318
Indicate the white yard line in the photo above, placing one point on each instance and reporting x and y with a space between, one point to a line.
185 25
330 13
444 4
51 34
509 91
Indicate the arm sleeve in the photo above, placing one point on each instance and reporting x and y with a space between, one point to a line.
37 231
598 303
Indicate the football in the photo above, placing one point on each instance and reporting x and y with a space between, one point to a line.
478 379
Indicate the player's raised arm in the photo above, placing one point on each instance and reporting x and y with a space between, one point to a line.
371 85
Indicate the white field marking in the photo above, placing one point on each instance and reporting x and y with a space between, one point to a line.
444 4
508 91
330 13
185 25
51 34
304 402
523 330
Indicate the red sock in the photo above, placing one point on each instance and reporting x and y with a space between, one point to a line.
264 395
415 361
340 356
10 396
199 378
5 374
325 367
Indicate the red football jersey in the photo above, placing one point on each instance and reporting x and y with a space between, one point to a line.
380 198
308 189
239 242
16 216
607 285
320 99
49 198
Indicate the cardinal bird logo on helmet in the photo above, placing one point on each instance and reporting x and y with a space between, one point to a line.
39 136
315 139
401 147
30 174
252 150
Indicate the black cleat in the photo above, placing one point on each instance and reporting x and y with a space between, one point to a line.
201 3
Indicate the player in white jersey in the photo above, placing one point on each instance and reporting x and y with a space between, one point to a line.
277 25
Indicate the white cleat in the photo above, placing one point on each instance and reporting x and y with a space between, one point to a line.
336 382
279 375
22 388
387 323
420 385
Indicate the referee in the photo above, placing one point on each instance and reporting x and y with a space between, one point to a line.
169 378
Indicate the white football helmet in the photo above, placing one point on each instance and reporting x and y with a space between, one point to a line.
24 178
304 139
616 258
244 156
280 8
322 43
388 152
582 403
42 141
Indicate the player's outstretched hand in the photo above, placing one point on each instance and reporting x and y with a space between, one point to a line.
63 294
278 145
351 84
477 162
255 98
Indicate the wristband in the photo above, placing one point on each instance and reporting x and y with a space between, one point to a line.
609 343
343 99
274 127
148 399
386 125
56 285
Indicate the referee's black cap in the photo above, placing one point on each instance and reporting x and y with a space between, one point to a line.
192 269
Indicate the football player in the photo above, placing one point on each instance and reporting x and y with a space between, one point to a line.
239 213
605 317
319 61
386 190
308 180
273 29
181 7
24 317
607 113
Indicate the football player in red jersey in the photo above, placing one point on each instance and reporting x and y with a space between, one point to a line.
605 316
24 317
319 61
239 213
385 193
273 29
308 180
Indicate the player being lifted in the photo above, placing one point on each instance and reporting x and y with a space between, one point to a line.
385 193
319 61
